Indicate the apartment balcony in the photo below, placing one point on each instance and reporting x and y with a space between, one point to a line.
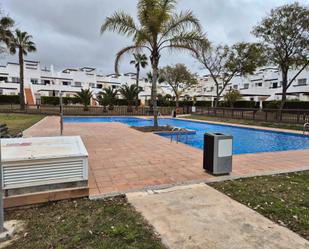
62 88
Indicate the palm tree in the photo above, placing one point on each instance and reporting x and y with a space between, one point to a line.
84 98
159 28
22 42
6 35
129 93
140 60
107 98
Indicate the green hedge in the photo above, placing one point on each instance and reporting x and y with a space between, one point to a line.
287 105
50 100
203 103
124 102
240 104
9 99
246 104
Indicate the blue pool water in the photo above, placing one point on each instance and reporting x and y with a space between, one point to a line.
246 140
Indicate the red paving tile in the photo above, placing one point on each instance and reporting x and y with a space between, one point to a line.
122 159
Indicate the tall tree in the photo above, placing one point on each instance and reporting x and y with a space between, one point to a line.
84 97
159 28
224 62
285 33
231 97
179 78
140 61
129 93
22 42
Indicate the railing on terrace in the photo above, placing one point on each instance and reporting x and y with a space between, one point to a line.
292 116
92 111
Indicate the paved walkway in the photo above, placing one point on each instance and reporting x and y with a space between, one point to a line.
200 217
122 159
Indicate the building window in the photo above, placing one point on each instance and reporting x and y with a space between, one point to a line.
235 87
301 82
246 86
66 83
78 84
34 81
100 86
3 79
275 85
46 82
15 80
259 84
92 85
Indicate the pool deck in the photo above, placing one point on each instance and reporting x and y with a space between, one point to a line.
123 160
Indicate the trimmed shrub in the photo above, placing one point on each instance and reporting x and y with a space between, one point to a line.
9 99
124 102
289 104
203 103
53 100
275 104
246 104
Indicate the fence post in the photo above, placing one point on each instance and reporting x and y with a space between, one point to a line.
266 115
1 195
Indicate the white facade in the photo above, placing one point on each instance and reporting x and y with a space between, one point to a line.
265 84
40 81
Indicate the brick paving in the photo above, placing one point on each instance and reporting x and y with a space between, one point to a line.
122 159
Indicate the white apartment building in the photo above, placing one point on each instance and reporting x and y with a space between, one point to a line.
45 81
265 84
39 81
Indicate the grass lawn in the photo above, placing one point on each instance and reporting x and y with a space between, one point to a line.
248 122
19 122
112 224
282 198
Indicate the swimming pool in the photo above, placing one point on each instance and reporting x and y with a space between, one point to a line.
246 140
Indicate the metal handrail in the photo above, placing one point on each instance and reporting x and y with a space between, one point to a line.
304 129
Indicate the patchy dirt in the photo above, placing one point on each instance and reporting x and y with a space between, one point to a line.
111 223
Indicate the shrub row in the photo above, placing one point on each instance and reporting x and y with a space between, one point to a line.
50 100
241 104
9 99
287 105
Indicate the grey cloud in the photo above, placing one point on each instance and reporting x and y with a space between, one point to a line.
67 31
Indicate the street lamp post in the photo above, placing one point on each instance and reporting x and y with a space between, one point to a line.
61 114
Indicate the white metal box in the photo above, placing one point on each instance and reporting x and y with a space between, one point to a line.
37 161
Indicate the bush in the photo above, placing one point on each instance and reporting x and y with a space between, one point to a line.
246 104
9 99
241 104
289 104
124 102
53 100
271 104
203 103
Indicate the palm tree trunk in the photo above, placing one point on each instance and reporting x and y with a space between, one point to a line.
21 77
137 83
154 63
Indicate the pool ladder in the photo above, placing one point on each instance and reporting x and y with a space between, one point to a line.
178 136
306 129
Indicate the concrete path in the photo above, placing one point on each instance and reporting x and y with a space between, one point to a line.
200 217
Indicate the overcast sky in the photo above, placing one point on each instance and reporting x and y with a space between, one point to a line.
66 32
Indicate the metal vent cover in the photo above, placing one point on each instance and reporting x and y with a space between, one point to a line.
40 172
